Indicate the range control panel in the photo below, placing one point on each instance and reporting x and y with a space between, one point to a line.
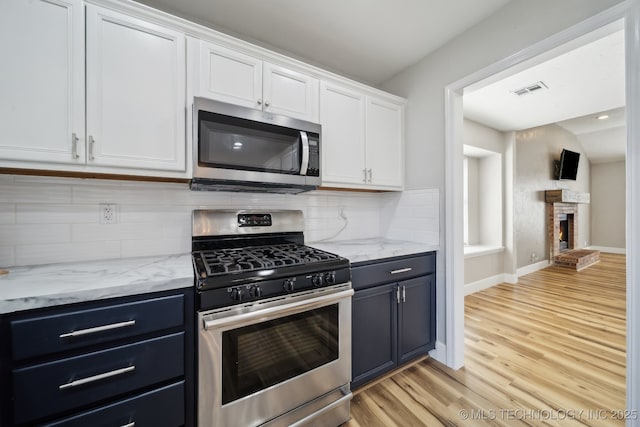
254 220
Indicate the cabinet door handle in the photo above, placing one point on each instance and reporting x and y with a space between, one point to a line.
259 101
131 424
404 293
364 171
401 270
266 103
398 294
74 146
102 328
370 175
98 377
92 142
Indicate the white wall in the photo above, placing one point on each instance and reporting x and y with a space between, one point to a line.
608 205
473 200
520 24
536 149
47 220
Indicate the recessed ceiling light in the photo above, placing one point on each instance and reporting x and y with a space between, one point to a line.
602 117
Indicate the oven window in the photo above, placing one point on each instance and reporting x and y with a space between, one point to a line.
258 356
235 143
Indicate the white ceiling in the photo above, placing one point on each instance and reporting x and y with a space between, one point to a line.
368 40
583 83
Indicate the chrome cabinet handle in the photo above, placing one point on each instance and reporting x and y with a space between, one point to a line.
266 103
132 424
91 144
98 377
259 101
74 146
364 171
370 175
88 331
397 294
404 293
401 270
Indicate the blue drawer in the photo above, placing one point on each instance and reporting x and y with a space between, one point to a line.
49 388
163 407
68 330
392 270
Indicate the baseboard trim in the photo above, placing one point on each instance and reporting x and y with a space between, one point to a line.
532 268
609 250
439 353
482 284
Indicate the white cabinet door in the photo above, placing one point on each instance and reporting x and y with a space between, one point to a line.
41 81
384 138
230 76
135 93
290 93
343 130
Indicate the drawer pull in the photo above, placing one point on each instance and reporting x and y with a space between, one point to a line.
129 425
98 377
402 270
404 293
88 331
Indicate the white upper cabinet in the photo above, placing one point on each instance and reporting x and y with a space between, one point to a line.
343 134
135 93
234 77
384 137
362 139
42 81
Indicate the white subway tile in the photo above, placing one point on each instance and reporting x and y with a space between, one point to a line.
34 193
17 234
7 258
7 213
209 199
118 194
121 231
133 248
160 214
56 214
66 252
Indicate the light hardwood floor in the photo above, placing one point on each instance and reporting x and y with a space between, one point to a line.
547 351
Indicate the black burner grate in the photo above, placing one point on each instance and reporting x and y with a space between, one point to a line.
223 261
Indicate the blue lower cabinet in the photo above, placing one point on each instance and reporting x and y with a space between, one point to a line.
125 361
163 407
392 323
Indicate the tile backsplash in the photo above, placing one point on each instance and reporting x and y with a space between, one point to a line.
46 220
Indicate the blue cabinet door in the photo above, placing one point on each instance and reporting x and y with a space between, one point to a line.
374 333
416 318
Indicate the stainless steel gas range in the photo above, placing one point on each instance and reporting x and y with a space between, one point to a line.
274 322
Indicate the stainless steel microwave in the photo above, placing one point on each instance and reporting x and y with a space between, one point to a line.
241 149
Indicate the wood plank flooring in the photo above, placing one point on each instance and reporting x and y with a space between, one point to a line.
549 351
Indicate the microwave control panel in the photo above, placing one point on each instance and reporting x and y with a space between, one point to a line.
314 158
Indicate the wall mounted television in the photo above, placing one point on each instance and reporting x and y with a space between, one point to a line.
567 167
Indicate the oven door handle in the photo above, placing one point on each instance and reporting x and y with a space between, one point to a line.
278 311
307 420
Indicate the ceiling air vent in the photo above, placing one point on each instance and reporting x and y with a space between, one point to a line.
530 88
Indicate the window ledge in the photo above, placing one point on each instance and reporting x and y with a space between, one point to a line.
473 251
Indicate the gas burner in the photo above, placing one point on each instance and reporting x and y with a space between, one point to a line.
253 258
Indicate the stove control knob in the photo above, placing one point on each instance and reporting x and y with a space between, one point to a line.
255 291
236 294
330 278
288 285
316 280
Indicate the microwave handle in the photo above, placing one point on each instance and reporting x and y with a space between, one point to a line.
304 165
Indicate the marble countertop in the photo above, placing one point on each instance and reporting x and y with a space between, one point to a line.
38 286
370 249
48 285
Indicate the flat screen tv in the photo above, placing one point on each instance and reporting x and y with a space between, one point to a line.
568 164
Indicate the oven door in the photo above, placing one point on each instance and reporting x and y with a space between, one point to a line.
257 362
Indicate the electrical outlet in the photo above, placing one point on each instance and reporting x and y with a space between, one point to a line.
108 213
534 257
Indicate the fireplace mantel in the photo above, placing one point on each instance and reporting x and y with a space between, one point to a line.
566 196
